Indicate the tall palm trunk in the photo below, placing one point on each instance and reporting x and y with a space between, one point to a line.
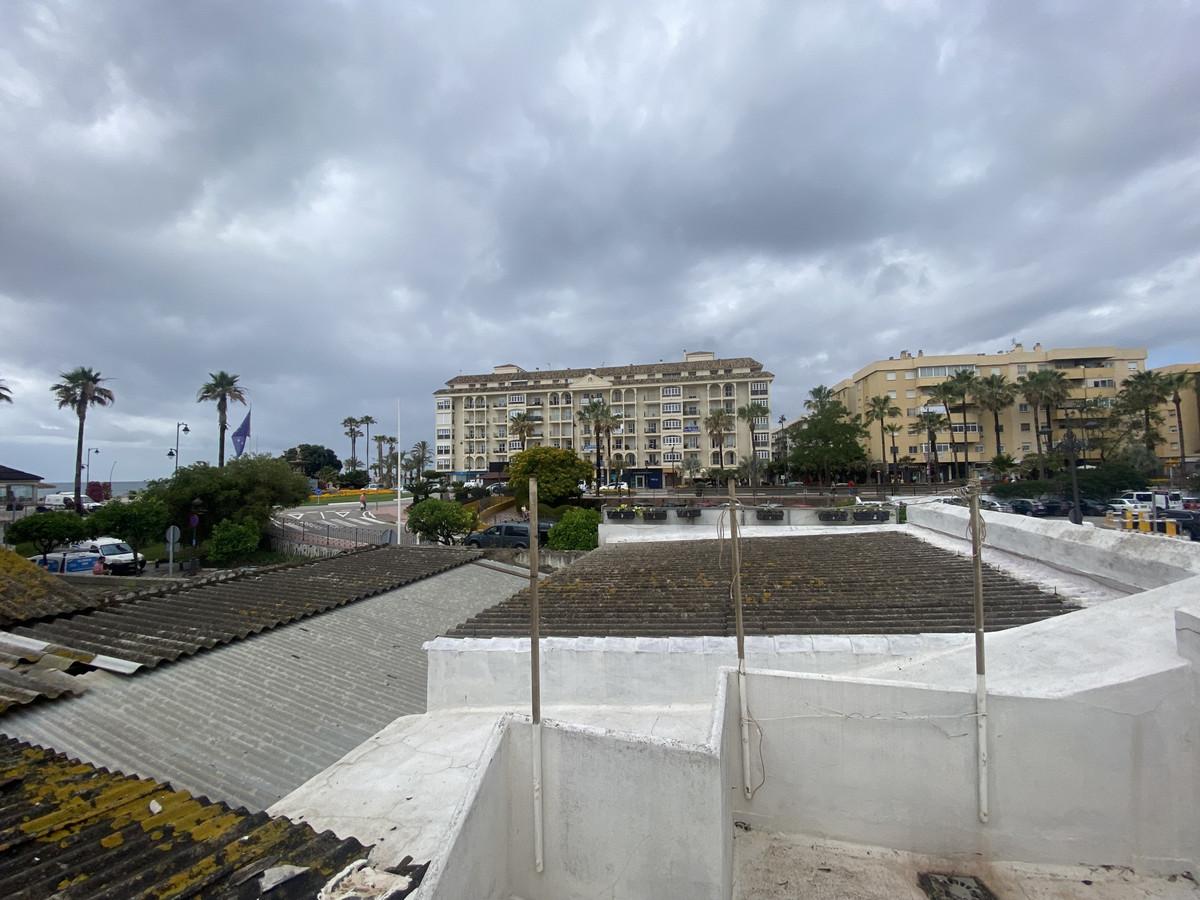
931 436
81 412
221 406
966 442
1049 429
608 450
882 451
1149 435
1177 400
599 459
996 426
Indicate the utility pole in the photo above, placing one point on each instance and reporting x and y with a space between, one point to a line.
535 674
974 488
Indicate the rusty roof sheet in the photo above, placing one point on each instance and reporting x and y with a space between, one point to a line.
27 592
158 627
883 583
70 830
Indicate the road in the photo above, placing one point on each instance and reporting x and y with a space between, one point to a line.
341 524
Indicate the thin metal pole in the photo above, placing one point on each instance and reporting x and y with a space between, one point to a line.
535 673
736 556
981 730
399 483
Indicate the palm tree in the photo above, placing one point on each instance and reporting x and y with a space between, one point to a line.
946 395
351 425
591 416
1178 381
880 409
717 423
367 422
819 399
929 423
380 440
748 413
1055 390
1030 387
521 426
965 384
419 456
893 429
79 389
393 474
222 387
1142 393
691 465
5 393
609 422
996 394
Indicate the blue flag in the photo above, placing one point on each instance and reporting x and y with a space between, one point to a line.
239 436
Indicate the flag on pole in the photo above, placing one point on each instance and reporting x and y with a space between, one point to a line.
239 437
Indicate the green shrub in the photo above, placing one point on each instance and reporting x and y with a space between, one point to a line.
355 479
441 520
577 529
232 541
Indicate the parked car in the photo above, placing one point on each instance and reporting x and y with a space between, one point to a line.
1026 507
118 556
613 487
507 534
1120 504
498 488
1190 501
991 504
1056 506
1188 520
1090 507
68 562
65 500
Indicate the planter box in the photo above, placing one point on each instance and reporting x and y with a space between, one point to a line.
832 515
688 512
882 515
654 515
621 514
866 515
769 515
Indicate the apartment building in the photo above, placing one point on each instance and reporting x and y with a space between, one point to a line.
1181 435
1094 374
662 407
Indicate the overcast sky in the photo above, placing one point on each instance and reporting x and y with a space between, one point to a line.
348 203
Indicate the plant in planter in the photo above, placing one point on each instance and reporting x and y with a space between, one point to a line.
864 515
654 514
769 514
624 511
688 512
832 515
882 515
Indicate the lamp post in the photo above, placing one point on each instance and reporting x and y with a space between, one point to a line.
88 466
1070 444
175 455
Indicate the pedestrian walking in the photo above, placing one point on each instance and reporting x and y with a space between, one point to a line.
362 502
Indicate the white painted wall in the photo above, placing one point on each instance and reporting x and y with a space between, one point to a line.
894 765
1129 559
709 526
486 672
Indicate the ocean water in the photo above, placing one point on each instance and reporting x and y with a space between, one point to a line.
119 488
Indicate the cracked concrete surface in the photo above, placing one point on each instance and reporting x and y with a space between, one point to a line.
770 866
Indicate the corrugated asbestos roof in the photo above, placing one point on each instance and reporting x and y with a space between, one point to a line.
249 722
26 592
27 673
161 627
883 583
69 830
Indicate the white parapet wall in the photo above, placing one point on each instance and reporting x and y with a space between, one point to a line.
1126 558
494 672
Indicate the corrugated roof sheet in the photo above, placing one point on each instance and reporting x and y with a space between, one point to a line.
27 592
882 583
70 830
29 673
249 722
161 627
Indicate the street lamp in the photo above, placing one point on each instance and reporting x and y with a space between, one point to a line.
88 466
1070 444
175 455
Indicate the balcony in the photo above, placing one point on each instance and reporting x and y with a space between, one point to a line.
691 410
691 429
755 393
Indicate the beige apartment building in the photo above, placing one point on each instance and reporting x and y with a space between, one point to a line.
1181 435
1094 373
662 407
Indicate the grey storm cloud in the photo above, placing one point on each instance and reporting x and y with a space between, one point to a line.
348 203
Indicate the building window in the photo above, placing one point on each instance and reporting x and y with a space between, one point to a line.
672 440
516 398
1023 407
1103 383
891 395
910 411
443 404
672 423
672 408
910 375
971 427
891 376
757 389
672 457
761 422
942 371
1025 447
763 454
514 445
672 391
911 395
443 465
913 449
443 449
1133 367
1025 426
443 434
1022 368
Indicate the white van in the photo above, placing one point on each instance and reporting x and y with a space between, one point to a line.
66 500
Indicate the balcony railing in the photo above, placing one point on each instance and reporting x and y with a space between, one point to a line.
691 429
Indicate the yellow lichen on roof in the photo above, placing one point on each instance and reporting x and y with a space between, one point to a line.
27 592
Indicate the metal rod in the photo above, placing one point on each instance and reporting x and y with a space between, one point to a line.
399 482
981 730
535 673
744 711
